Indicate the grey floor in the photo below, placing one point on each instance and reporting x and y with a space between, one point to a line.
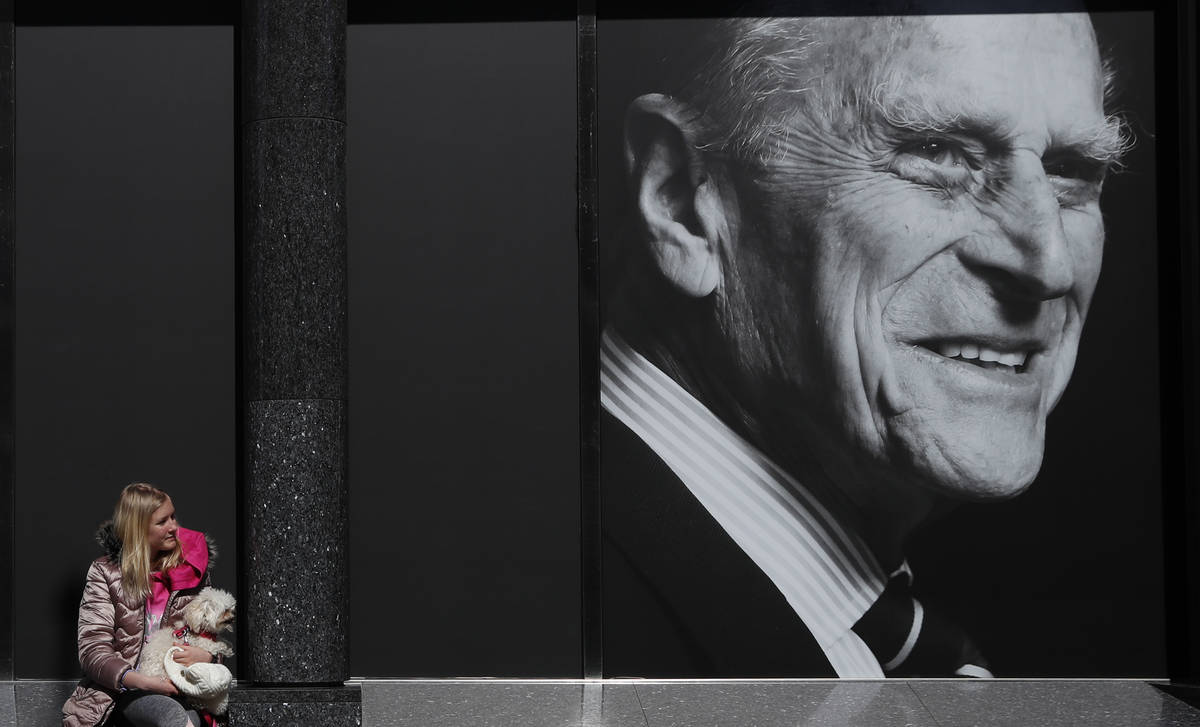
500 703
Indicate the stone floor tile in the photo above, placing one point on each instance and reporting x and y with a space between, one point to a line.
39 703
1059 703
497 703
612 705
790 703
8 707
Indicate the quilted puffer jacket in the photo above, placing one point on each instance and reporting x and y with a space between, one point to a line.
112 628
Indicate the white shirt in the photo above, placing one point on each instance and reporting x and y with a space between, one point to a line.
824 571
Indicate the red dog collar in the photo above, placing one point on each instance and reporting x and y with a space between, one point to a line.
182 634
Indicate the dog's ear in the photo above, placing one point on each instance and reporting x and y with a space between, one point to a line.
212 612
198 613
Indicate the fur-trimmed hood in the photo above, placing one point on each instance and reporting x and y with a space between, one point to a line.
106 538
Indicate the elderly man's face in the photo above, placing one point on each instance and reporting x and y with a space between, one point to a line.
935 263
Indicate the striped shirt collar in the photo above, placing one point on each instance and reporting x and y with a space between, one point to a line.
825 571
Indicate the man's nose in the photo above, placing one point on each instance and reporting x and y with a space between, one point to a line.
1028 257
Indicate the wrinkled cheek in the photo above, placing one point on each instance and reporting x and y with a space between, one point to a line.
881 394
1086 235
1064 364
848 321
1087 244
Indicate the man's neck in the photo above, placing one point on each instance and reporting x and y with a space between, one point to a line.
867 497
884 515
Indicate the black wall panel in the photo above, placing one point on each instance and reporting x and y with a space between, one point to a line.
464 433
125 358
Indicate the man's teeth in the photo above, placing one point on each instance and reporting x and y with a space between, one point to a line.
973 352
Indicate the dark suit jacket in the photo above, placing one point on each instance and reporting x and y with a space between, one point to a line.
681 599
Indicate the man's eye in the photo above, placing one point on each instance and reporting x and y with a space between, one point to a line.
1072 167
940 152
935 162
1076 179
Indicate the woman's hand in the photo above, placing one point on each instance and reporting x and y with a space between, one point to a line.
188 655
158 685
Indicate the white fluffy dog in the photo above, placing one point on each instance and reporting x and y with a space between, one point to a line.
206 686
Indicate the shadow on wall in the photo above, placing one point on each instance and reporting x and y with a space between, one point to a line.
67 594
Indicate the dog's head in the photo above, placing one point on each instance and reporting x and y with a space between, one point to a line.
211 610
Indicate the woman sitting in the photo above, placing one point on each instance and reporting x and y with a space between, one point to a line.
152 569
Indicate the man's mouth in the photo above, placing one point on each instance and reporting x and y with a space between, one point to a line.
1012 359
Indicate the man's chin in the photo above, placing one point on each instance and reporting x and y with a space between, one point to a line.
980 468
981 486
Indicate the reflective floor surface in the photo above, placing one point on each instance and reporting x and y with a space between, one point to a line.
635 703
959 703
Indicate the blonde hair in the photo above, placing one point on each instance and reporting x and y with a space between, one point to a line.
131 522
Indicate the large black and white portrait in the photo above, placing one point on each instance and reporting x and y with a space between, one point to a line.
851 267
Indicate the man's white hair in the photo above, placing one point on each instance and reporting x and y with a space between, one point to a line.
738 90
764 74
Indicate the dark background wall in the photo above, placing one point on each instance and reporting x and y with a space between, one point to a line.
464 363
464 383
1067 579
125 303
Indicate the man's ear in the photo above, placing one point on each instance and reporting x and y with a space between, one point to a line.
680 202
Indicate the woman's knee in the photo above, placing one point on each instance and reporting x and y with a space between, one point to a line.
155 710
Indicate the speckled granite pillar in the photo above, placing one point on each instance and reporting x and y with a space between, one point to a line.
295 528
295 593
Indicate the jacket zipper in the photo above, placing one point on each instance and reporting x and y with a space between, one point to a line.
142 641
146 625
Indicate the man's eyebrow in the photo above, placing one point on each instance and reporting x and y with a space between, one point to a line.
1104 142
919 112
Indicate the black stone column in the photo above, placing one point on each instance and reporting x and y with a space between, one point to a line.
294 606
